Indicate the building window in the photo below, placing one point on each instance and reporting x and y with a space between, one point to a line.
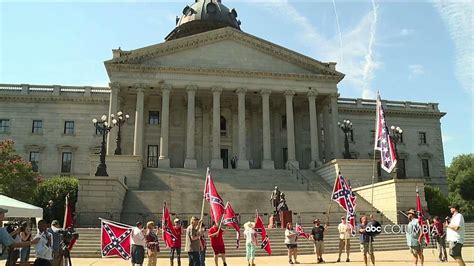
66 162
99 125
4 125
69 127
34 160
426 167
153 117
223 126
37 127
401 168
152 160
283 122
422 137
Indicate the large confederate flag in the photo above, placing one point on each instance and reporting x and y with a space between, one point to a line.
169 233
115 240
346 198
68 221
230 219
260 229
215 201
421 217
383 141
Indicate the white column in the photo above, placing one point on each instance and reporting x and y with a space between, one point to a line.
113 105
190 161
242 162
164 160
313 119
138 133
216 161
335 128
267 162
290 128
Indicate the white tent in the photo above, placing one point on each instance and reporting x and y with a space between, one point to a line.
19 209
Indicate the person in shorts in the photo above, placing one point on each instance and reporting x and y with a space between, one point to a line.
217 243
345 230
138 242
414 235
317 234
455 234
366 241
291 238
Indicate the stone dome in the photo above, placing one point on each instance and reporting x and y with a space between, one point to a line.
202 16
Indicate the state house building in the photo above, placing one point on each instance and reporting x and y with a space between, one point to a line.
210 92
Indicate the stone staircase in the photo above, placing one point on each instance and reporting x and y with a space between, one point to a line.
88 246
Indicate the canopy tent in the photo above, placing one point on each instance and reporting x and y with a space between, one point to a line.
19 209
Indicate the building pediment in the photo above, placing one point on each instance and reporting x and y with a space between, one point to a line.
224 52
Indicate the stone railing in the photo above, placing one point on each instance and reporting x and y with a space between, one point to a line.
52 90
393 105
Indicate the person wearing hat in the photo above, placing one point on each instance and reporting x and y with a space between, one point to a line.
6 240
455 234
250 242
138 244
414 235
55 241
345 230
366 241
152 243
440 237
176 247
193 246
317 234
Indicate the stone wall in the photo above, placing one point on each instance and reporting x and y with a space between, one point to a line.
125 167
359 172
392 196
99 196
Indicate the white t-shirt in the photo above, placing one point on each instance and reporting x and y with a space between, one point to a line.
344 231
250 236
42 249
290 239
456 236
138 238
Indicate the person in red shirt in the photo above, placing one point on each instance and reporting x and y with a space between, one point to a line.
440 237
217 243
177 244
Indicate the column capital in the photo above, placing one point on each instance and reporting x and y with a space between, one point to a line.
265 92
139 86
166 87
334 95
289 93
216 89
313 94
241 91
114 86
191 88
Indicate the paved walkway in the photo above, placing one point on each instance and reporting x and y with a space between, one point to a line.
391 258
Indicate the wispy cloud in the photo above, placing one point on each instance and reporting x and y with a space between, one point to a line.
458 17
415 70
359 61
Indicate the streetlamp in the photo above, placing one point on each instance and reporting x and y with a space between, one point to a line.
104 128
396 135
121 120
346 127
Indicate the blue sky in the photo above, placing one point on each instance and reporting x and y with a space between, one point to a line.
409 50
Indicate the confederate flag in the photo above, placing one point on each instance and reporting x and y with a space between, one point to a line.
169 233
383 141
346 198
115 240
211 195
301 232
230 219
421 218
68 221
260 229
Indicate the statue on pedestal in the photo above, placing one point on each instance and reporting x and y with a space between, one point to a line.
275 198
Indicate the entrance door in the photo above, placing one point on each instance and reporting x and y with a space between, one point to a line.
225 158
152 160
285 157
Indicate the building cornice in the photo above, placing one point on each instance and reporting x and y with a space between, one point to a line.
42 98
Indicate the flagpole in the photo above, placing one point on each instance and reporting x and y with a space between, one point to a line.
114 222
373 160
222 218
203 194
330 197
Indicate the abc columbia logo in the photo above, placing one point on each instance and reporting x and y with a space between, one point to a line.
398 229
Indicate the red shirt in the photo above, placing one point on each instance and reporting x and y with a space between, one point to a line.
178 230
439 228
216 240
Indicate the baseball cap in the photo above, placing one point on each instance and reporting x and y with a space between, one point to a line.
55 222
411 211
176 220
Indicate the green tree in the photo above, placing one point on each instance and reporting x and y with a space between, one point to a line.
17 178
55 189
461 182
437 202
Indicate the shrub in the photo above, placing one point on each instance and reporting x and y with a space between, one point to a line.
437 202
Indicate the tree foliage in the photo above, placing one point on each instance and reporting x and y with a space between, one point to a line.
461 182
56 189
17 178
437 202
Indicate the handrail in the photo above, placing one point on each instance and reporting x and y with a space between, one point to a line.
309 184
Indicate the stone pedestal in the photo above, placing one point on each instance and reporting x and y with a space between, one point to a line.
285 217
217 164
190 163
243 164
268 165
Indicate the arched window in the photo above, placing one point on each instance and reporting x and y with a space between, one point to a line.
223 126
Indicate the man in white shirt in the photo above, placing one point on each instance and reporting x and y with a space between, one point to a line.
344 238
138 244
43 249
455 233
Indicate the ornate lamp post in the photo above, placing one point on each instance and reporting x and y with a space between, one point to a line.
396 135
346 127
104 128
120 121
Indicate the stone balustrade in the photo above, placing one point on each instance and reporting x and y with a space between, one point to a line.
53 90
392 105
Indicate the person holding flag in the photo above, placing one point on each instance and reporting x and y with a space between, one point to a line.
291 237
217 242
414 237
